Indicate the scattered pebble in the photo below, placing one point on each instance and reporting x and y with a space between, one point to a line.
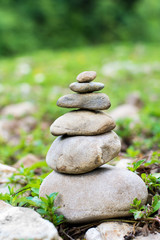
18 110
116 231
24 223
26 161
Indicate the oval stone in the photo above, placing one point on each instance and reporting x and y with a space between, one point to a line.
91 101
86 87
81 154
106 192
86 76
82 122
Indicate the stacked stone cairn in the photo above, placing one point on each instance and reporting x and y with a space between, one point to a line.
87 190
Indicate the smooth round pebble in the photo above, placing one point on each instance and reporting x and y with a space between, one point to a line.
106 192
86 76
86 87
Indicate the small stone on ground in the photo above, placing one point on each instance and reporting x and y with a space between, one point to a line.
5 172
116 231
125 111
24 223
26 161
10 129
19 110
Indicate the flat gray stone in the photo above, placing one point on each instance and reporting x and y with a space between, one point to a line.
81 154
86 76
86 87
91 101
106 192
82 122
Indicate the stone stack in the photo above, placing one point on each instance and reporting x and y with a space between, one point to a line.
86 141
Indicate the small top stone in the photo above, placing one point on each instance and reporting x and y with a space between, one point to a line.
86 76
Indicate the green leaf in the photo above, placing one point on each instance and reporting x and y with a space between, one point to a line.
55 208
136 165
44 200
156 203
37 202
53 195
42 211
136 203
138 215
132 210
35 190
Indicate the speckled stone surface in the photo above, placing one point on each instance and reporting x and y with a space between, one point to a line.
91 101
106 192
86 87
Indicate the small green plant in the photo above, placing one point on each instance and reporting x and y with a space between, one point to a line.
136 165
132 152
149 212
43 205
152 181
11 197
28 195
146 212
149 162
153 160
26 176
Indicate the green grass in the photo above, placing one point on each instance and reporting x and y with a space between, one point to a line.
49 73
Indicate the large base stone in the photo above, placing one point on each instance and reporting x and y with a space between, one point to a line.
106 192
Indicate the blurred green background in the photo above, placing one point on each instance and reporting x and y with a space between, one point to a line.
42 24
45 44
